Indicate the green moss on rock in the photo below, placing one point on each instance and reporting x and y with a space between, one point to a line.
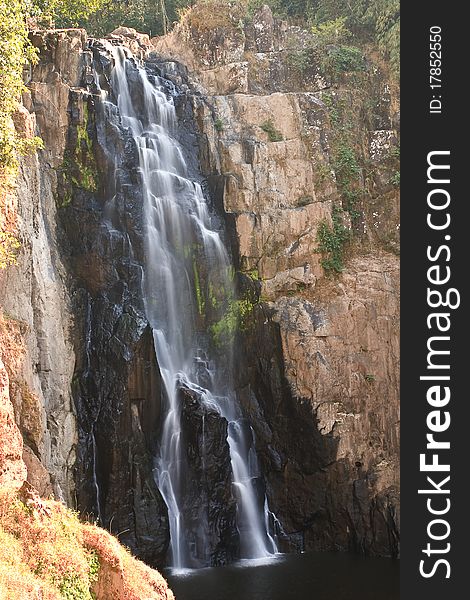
234 319
79 168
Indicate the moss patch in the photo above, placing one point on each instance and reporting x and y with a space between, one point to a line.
197 288
79 168
235 319
274 134
84 157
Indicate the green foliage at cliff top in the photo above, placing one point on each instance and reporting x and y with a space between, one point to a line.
14 55
66 13
147 16
377 21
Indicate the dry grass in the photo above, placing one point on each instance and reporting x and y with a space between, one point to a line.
16 579
121 575
47 552
143 582
214 14
49 548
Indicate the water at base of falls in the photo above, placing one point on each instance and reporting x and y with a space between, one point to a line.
184 254
307 576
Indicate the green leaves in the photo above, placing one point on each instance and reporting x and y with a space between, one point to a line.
385 14
336 20
273 134
66 13
346 167
332 32
331 242
345 59
15 52
153 17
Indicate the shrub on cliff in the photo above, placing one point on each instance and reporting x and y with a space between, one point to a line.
15 53
376 21
370 20
331 242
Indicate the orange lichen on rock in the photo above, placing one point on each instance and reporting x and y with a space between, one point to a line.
12 467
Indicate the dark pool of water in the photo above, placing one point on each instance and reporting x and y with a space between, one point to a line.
309 576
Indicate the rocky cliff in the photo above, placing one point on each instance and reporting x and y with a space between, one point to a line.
289 152
292 156
45 551
34 293
72 295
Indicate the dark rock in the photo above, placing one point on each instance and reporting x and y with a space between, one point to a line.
208 499
117 385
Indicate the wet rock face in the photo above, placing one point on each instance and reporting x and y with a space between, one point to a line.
204 435
116 383
117 396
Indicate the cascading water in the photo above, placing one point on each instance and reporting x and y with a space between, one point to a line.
180 234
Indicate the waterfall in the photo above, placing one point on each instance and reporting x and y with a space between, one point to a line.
183 246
